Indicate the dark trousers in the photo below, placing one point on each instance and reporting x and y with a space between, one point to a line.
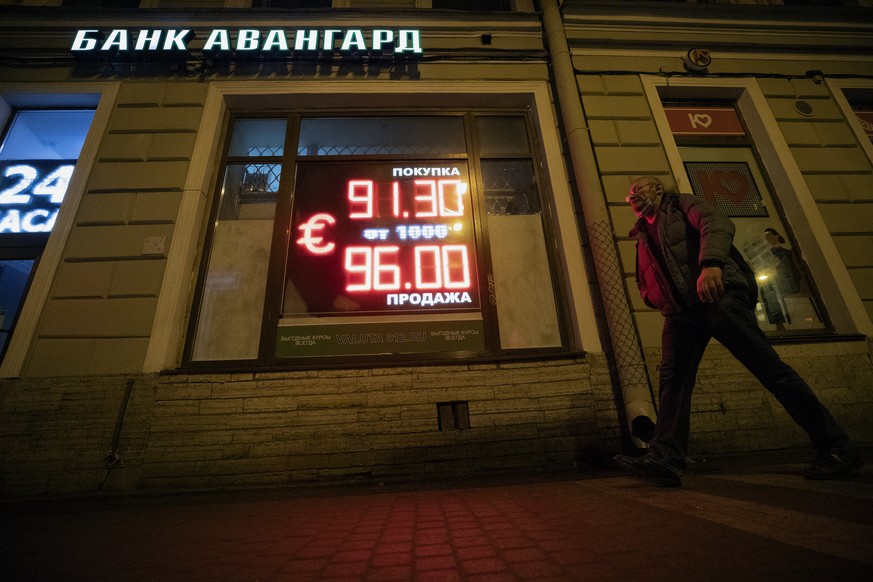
732 322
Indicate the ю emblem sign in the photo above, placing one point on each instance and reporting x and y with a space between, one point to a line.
703 120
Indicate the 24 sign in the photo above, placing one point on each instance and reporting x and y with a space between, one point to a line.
31 192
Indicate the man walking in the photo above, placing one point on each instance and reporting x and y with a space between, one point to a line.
688 269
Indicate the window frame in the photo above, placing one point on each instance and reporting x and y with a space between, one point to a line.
172 311
746 142
845 92
271 316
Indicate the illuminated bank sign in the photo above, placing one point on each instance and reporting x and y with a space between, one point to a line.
31 193
378 240
248 40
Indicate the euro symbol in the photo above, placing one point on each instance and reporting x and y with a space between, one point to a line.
315 243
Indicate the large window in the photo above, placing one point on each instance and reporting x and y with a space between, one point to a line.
723 169
37 156
378 237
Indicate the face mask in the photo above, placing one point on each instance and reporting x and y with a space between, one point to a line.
645 207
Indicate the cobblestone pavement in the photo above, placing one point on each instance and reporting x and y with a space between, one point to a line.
749 517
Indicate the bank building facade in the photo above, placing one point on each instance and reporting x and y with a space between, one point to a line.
252 244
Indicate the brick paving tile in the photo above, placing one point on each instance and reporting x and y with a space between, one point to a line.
432 535
316 551
345 569
523 554
352 544
397 537
390 573
400 559
537 569
553 535
352 556
471 542
435 563
483 565
492 577
515 540
457 525
305 565
476 552
393 548
466 532
433 550
574 557
450 575
497 524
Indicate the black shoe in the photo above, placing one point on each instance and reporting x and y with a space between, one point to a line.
834 464
651 467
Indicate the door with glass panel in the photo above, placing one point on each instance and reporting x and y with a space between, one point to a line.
731 179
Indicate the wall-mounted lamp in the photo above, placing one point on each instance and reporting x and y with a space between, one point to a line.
697 60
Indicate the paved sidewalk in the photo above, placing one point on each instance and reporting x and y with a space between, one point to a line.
749 517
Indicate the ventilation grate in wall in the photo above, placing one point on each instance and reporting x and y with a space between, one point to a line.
453 415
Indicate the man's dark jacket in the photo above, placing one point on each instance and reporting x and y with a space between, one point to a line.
691 232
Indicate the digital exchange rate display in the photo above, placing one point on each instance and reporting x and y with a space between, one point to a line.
381 238
381 260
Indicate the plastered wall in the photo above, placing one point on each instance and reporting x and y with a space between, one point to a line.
99 315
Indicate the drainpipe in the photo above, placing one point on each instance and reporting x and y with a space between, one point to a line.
632 376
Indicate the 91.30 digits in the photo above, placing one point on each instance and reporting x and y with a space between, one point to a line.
430 199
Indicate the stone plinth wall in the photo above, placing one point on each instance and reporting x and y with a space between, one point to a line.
732 412
210 431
